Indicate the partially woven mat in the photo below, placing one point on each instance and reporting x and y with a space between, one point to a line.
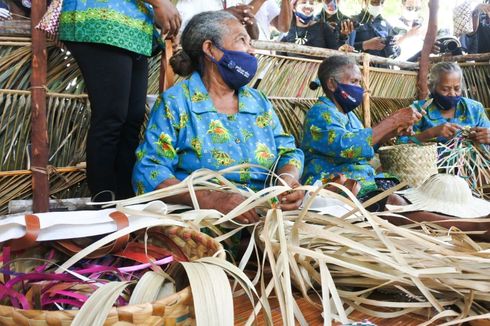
410 162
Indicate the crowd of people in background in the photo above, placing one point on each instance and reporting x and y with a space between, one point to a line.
321 23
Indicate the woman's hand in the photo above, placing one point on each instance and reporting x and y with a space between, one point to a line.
480 135
406 118
225 202
446 130
291 200
167 17
346 27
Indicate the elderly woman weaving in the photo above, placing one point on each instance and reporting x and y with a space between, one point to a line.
335 141
212 120
448 111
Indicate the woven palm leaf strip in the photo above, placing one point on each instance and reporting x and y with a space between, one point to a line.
63 183
420 268
477 81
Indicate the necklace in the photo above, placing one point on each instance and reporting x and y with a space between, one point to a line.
301 40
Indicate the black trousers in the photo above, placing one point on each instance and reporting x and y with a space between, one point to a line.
116 82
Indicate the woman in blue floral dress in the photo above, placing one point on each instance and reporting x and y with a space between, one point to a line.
335 141
449 112
212 120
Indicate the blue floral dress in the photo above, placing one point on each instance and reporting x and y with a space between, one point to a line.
185 133
468 113
337 143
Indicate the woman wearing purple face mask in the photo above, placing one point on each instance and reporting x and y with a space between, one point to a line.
335 141
449 111
306 29
213 120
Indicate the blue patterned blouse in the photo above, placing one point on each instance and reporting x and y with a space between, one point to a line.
185 133
468 113
336 143
126 24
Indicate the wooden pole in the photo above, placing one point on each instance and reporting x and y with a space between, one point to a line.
430 38
366 104
479 57
167 75
322 53
39 132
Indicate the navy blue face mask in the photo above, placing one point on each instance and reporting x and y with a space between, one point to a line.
303 18
348 96
446 102
237 68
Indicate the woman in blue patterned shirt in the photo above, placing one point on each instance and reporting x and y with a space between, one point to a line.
212 120
449 111
335 141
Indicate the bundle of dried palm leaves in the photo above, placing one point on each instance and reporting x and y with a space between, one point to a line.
344 262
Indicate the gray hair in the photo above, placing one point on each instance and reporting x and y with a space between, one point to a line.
442 68
209 25
334 67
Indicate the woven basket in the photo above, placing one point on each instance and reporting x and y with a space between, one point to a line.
177 309
410 162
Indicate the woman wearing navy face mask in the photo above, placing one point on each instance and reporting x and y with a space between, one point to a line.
213 120
449 111
306 29
335 141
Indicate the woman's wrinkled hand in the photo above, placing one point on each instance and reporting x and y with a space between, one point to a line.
406 118
225 202
446 130
167 17
292 199
480 135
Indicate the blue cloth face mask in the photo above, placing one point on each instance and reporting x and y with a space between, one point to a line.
237 68
446 102
305 19
348 96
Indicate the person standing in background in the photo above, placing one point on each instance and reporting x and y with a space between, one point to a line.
340 23
375 34
111 41
306 29
411 29
257 15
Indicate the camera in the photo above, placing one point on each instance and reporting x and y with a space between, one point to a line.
450 44
391 49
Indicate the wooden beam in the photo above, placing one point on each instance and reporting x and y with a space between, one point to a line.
462 58
322 53
15 27
430 38
39 132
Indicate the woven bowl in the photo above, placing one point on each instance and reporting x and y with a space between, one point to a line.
177 309
410 162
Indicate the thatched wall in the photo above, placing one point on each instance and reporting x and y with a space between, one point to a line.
286 83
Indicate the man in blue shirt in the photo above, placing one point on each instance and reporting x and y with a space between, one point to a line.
375 34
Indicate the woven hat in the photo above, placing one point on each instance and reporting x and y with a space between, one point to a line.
446 194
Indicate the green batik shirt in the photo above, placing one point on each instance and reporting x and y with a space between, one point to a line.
127 24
